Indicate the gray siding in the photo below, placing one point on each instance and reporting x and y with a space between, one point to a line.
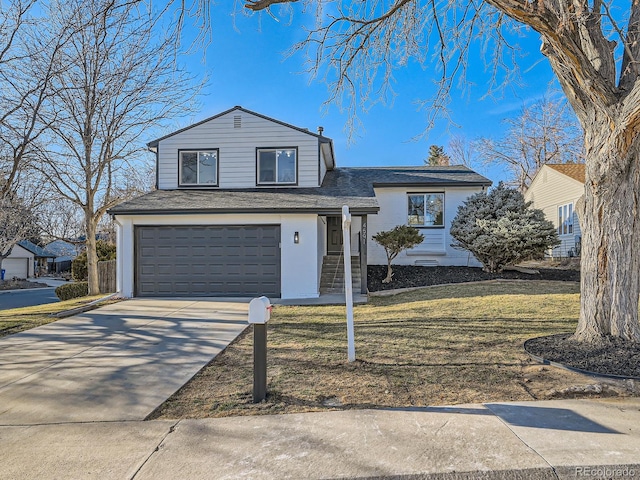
237 149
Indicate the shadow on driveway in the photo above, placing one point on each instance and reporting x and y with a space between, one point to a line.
115 363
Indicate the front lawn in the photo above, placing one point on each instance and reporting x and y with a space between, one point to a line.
19 319
435 346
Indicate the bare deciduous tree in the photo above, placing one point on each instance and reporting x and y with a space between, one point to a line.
119 82
544 132
594 54
16 223
464 152
29 58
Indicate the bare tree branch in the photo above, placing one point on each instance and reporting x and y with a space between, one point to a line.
545 132
119 83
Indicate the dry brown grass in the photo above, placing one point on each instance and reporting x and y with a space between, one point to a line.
19 319
435 346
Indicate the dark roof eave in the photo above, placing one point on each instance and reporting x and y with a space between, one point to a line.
207 211
459 183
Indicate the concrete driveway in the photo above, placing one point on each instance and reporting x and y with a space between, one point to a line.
115 363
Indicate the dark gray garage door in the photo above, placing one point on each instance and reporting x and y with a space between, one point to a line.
208 260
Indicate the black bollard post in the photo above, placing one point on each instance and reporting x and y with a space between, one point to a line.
259 362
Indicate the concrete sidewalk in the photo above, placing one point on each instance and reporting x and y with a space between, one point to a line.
567 439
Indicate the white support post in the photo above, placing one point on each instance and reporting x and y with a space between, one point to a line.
348 284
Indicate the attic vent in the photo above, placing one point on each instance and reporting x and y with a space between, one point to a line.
237 121
426 263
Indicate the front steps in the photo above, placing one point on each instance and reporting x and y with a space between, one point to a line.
332 278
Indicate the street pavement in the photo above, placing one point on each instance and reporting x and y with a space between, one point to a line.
27 297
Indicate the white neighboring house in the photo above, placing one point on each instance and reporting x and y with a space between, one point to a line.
19 264
247 205
555 190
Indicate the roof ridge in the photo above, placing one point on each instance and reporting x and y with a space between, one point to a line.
154 143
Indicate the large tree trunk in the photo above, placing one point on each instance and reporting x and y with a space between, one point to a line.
92 256
610 263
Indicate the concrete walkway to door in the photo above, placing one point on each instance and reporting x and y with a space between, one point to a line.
112 364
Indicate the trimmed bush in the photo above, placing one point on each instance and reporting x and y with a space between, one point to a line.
501 229
395 241
72 290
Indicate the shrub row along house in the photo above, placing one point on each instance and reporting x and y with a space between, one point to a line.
249 205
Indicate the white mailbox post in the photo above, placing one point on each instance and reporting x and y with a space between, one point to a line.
259 315
348 285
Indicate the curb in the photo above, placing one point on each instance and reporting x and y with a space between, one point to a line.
513 474
24 289
84 308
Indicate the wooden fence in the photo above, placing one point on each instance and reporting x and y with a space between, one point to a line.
107 276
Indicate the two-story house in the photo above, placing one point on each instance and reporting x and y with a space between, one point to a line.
248 205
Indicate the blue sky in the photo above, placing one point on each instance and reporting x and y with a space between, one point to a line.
246 65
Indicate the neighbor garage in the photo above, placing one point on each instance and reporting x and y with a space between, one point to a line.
15 267
229 260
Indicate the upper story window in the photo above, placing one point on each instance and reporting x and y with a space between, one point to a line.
426 209
565 219
198 167
277 166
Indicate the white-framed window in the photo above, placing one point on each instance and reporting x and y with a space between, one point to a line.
425 209
565 219
277 166
198 167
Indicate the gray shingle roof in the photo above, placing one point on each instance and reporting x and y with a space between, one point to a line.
343 186
326 199
35 249
454 175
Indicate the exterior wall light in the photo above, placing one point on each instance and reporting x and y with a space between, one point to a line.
296 237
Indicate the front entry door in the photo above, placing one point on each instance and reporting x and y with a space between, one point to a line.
334 235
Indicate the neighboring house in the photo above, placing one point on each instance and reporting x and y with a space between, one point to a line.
40 257
248 205
26 260
555 190
64 253
19 264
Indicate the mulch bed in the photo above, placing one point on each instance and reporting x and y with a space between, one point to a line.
405 276
611 356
